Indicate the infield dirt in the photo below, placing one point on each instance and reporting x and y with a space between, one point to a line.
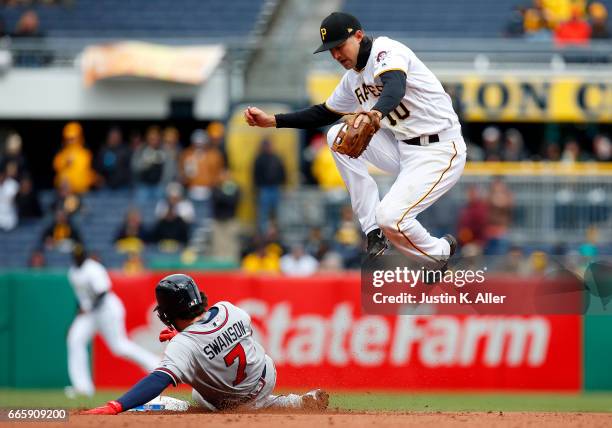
337 419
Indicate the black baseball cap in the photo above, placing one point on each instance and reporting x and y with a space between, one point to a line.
336 28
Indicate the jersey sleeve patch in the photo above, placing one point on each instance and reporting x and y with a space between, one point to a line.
387 57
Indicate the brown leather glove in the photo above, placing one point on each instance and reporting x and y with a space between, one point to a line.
353 141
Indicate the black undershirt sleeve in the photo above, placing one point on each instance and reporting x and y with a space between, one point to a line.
394 89
311 117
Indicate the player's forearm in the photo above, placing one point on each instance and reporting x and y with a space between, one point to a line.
145 390
312 117
393 91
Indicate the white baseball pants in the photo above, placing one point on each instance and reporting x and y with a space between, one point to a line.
108 319
423 175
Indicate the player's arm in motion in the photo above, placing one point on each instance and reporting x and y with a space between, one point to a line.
144 391
320 115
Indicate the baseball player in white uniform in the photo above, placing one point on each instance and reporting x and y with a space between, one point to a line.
100 310
419 141
214 352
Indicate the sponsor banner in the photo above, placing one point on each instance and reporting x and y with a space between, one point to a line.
512 98
181 64
317 335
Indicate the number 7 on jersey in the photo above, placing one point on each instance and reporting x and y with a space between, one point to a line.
237 352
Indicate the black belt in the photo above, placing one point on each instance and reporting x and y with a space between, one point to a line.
416 141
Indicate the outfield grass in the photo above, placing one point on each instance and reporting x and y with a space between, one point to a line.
446 402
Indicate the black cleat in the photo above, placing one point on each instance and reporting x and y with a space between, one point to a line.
377 244
452 241
435 275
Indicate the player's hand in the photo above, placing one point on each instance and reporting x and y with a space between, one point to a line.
258 117
110 408
167 334
361 117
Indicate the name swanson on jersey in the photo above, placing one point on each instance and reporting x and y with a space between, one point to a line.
232 334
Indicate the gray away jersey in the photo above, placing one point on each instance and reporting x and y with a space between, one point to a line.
218 358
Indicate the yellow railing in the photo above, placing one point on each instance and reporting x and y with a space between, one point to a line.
585 169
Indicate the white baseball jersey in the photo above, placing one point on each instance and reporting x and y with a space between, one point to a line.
425 109
88 281
217 357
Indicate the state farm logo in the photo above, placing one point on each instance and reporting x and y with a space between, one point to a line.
340 338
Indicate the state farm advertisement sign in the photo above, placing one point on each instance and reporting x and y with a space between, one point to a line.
314 330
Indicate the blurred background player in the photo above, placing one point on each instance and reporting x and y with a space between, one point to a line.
214 352
99 310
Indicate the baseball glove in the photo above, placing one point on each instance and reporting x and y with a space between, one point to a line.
353 141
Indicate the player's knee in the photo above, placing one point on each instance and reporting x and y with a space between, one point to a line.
386 218
333 133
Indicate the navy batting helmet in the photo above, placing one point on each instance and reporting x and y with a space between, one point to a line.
178 297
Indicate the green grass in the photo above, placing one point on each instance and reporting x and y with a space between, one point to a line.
445 402
481 402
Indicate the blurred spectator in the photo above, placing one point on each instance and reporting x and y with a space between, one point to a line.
28 25
113 161
131 235
598 15
500 209
13 158
514 262
135 140
148 166
201 167
133 264
170 231
572 153
216 137
575 31
475 153
8 209
538 263
172 147
66 200
61 234
590 248
324 168
73 162
348 239
491 142
316 245
269 176
328 178
332 262
262 260
557 11
514 26
535 26
309 153
174 198
28 205
513 146
273 241
298 263
552 152
226 227
473 219
37 259
602 148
